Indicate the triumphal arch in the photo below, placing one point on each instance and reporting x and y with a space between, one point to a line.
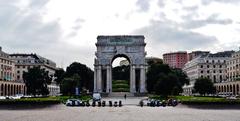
111 47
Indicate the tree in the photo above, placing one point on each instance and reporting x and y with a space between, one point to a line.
59 74
36 80
154 74
86 74
204 86
69 84
168 84
121 73
163 80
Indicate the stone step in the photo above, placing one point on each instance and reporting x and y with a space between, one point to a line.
121 94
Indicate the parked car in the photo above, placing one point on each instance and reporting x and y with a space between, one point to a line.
73 102
231 97
97 97
172 102
2 97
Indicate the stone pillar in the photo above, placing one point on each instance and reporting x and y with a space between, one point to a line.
99 79
108 79
132 79
142 79
95 80
4 93
0 89
110 82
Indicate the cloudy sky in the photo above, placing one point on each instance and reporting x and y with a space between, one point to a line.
66 30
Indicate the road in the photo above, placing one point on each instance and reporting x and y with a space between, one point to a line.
128 112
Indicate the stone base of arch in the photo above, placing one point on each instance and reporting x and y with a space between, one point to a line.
107 88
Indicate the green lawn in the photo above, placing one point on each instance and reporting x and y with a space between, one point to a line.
120 86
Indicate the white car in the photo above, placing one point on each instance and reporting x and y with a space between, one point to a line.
2 97
97 97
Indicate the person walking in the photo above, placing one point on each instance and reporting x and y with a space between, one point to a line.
125 96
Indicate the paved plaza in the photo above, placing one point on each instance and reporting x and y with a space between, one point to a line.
129 112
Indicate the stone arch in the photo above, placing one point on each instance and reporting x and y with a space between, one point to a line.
5 90
2 90
11 90
234 89
228 88
111 47
237 89
24 90
122 55
19 89
14 89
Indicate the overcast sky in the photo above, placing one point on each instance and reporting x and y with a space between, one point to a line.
66 30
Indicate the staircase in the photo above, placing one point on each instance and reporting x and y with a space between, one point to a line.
121 94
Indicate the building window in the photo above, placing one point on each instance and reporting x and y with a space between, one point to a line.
201 71
201 66
208 71
18 72
18 77
214 66
220 66
207 66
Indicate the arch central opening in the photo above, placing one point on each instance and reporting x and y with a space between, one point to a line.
120 74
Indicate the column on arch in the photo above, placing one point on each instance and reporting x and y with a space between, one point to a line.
99 78
95 79
108 79
1 89
110 82
132 79
142 79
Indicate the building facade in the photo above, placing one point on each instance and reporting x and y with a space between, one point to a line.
231 85
9 86
195 54
175 59
25 61
124 63
212 66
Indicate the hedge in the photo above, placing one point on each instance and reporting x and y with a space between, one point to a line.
30 101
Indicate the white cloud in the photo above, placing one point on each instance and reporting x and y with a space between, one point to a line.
66 30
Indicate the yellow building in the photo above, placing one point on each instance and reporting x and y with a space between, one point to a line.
8 84
231 85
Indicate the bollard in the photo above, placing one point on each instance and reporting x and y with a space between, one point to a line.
93 104
120 103
110 103
141 103
103 103
115 104
99 103
87 104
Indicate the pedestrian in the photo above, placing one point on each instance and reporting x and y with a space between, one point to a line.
125 96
